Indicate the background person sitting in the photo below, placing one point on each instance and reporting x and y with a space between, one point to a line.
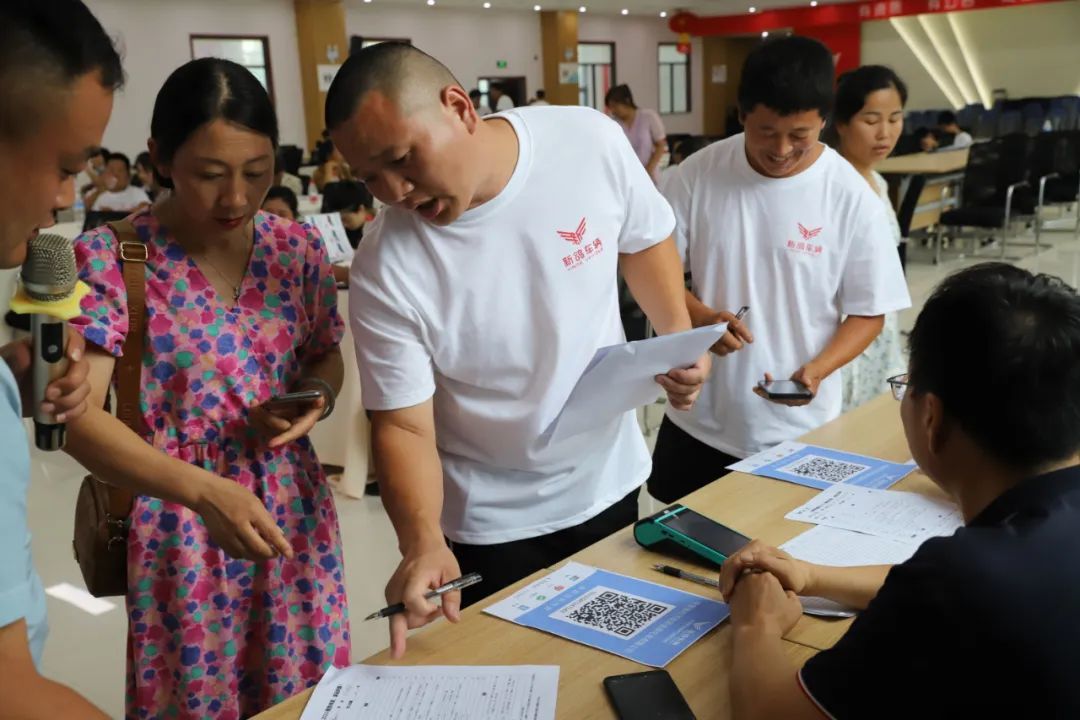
115 193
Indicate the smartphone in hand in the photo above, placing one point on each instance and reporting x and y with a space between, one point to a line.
786 390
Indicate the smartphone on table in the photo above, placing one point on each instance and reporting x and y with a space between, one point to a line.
786 390
650 695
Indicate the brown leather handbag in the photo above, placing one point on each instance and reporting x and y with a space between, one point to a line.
102 512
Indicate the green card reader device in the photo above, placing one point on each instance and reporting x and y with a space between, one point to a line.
678 530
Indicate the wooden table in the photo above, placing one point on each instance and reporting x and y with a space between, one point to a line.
944 171
935 163
753 505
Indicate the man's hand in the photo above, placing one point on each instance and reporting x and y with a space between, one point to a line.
760 602
238 521
737 335
282 425
794 575
807 375
419 572
683 385
65 398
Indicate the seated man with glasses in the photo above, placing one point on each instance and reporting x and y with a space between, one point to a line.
980 624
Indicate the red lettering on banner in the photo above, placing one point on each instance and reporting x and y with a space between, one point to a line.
864 11
896 7
880 8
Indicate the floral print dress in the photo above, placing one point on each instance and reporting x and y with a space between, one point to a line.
210 636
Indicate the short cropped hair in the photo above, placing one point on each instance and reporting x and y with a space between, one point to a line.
946 117
1000 347
48 44
788 75
389 68
121 157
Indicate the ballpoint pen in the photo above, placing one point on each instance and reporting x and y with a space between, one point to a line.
692 577
462 582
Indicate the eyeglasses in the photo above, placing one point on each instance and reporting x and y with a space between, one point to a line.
899 385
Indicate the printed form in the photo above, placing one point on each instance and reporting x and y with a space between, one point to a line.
435 692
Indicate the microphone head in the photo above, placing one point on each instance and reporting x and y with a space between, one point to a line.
49 272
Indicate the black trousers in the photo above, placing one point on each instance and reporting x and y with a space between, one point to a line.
682 464
506 563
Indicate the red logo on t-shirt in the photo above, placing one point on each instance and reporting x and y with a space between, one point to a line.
584 252
574 236
804 245
807 233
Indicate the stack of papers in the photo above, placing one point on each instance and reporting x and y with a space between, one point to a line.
435 692
863 526
901 516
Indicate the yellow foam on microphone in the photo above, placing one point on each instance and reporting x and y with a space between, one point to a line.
66 309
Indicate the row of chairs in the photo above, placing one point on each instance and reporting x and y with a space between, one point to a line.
1014 179
1030 116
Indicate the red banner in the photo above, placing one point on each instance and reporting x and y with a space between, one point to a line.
804 17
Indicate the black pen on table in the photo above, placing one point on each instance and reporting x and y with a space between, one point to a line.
461 583
685 575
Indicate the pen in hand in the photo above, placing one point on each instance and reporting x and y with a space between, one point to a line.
462 582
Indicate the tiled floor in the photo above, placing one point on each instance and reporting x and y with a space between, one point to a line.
87 652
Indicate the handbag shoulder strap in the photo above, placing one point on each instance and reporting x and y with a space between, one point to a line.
133 254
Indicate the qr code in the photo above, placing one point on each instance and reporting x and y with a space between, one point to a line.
612 612
825 469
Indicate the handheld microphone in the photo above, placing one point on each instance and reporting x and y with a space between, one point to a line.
50 293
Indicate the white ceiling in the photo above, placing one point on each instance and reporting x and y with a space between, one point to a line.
606 7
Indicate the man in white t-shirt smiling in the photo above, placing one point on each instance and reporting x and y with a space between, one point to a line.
477 298
775 220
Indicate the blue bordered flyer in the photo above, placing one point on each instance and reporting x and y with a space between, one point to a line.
821 468
636 619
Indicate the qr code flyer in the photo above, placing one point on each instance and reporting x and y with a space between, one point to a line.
636 619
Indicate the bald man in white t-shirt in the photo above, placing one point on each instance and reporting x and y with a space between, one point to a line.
477 298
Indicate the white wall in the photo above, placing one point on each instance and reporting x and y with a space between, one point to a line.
469 42
636 39
153 36
1032 50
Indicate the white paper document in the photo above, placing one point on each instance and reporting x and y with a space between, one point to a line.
338 248
623 377
823 545
902 516
435 692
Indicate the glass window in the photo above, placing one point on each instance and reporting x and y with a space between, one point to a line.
251 52
674 68
596 72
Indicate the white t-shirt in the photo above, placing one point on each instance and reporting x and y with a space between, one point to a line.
802 252
505 103
497 315
963 139
124 200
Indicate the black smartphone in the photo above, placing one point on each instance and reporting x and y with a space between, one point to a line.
786 390
294 398
649 695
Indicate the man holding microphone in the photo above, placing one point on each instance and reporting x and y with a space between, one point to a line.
478 298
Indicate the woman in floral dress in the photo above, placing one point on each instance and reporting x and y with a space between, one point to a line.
241 307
